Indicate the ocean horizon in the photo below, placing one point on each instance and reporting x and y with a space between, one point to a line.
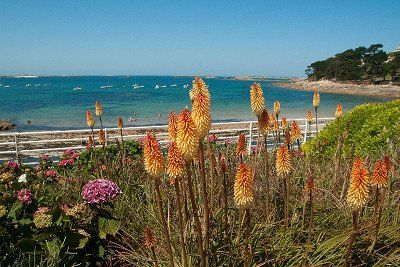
60 102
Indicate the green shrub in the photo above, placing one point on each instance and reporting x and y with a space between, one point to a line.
370 130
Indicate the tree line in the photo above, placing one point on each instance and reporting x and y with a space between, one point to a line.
370 64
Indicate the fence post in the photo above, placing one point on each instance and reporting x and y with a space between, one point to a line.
16 148
305 132
250 137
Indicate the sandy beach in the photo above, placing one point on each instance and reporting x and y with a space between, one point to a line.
325 86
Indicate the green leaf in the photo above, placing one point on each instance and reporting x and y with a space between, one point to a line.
108 227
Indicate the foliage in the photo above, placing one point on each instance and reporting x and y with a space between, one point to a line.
370 130
370 64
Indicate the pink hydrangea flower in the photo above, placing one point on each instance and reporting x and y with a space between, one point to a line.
13 165
51 173
24 196
228 141
100 191
212 138
66 162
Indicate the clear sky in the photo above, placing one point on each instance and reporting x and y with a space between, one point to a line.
187 37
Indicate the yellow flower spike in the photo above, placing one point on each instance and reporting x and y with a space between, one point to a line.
263 122
284 123
295 132
316 100
244 188
381 174
102 137
99 109
257 100
339 111
272 120
283 161
358 193
89 119
241 146
153 159
276 126
199 87
176 163
172 126
201 113
120 123
188 136
277 107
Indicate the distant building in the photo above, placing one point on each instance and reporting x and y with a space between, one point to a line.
391 54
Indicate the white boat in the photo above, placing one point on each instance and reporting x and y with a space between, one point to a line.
6 86
173 85
28 85
157 86
77 88
186 86
106 86
163 86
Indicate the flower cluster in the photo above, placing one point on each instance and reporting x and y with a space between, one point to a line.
68 158
100 191
24 196
51 173
42 218
75 211
3 211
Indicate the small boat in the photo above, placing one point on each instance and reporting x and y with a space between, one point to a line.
173 85
28 85
163 86
6 86
106 86
132 119
77 88
157 86
186 86
37 84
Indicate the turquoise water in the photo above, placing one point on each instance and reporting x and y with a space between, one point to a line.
51 102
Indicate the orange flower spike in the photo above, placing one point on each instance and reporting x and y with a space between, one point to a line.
263 122
120 123
339 111
358 193
172 126
222 164
284 123
309 116
99 108
148 238
241 146
295 131
176 163
102 136
199 87
201 113
277 107
188 136
316 100
380 174
153 158
389 166
283 161
257 100
276 126
309 186
272 120
89 119
244 188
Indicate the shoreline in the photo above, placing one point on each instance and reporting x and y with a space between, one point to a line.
330 87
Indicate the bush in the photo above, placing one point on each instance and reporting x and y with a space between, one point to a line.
370 128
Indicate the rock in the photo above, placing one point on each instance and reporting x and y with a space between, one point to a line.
6 125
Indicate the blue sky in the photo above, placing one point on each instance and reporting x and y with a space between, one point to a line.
187 37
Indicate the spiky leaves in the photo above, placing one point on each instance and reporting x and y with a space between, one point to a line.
243 189
283 161
277 107
339 111
172 126
89 119
99 109
316 100
176 163
381 174
359 185
295 132
263 122
120 123
188 136
257 100
201 112
153 159
241 146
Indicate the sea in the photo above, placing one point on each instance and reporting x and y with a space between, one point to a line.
60 102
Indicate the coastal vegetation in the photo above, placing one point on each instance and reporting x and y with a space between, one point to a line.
201 201
363 64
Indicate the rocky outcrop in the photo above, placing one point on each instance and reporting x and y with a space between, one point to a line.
6 125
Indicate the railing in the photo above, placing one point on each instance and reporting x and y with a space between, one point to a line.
26 147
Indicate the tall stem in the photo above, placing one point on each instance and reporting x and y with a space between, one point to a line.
353 237
225 201
247 248
266 176
164 222
212 178
180 219
205 198
196 217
